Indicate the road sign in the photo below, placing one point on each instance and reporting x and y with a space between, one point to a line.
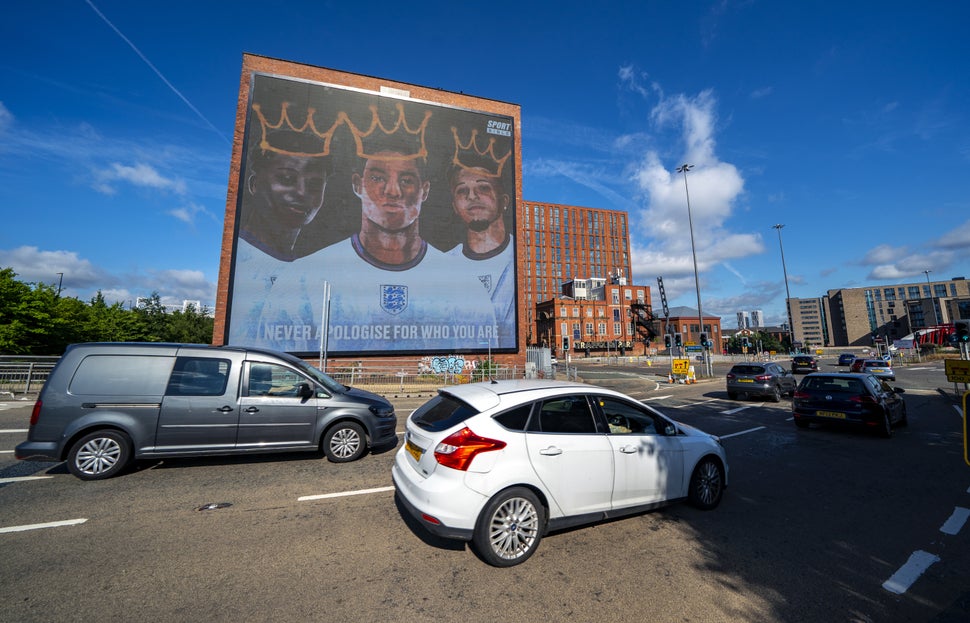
957 370
680 366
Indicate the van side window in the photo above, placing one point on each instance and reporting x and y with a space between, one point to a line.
199 376
267 379
121 375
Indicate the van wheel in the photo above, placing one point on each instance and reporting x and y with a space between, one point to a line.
98 455
344 442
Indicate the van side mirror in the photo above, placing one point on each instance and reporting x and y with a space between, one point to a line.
306 391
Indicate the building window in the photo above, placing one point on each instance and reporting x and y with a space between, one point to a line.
602 328
589 328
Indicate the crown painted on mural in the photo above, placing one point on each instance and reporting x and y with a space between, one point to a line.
400 138
469 156
285 137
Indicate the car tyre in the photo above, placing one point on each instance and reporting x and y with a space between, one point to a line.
99 455
886 430
733 395
776 394
344 442
903 420
509 528
801 422
706 484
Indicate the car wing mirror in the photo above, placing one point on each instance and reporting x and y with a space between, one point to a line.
899 390
670 430
306 391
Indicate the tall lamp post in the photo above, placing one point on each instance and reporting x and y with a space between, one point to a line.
684 168
936 316
784 270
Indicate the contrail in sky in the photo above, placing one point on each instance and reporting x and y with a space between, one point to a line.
157 72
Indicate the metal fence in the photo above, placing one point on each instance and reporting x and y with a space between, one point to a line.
19 376
24 375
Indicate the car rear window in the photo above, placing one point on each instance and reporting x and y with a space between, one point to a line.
748 370
832 384
441 413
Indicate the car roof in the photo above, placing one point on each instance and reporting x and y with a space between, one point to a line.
839 375
488 394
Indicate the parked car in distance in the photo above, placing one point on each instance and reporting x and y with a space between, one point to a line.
106 404
804 363
849 398
502 463
846 359
759 379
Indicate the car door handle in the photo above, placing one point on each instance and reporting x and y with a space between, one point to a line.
252 410
628 449
551 451
225 409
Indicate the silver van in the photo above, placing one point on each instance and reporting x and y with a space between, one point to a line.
106 404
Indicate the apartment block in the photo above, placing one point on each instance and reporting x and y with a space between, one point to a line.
561 243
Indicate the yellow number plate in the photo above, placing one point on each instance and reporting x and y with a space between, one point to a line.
834 414
413 450
745 380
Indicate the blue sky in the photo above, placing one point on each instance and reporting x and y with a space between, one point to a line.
846 122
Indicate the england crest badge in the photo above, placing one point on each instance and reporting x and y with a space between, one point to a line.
394 299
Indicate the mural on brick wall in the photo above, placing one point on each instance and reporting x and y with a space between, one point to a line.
404 208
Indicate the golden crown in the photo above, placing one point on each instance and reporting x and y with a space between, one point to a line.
469 156
305 140
401 138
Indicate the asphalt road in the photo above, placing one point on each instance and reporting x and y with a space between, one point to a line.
814 525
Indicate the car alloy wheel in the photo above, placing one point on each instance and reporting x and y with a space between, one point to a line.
101 454
509 528
706 484
344 442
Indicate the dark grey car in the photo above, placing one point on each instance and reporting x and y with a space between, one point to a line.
759 379
105 405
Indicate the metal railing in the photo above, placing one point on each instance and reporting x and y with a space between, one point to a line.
24 375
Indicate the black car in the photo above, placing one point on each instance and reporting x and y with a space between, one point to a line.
849 398
804 363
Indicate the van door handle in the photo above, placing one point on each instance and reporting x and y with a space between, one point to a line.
225 409
252 410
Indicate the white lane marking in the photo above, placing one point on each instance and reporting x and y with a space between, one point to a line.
957 520
4 481
919 561
6 451
733 411
39 526
744 432
664 397
323 496
694 404
14 430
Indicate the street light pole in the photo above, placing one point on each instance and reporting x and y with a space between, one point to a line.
784 270
684 168
936 317
60 282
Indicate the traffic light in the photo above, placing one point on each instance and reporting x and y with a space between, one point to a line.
745 342
565 342
668 340
678 340
703 339
962 330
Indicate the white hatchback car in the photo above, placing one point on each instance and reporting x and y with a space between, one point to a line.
502 463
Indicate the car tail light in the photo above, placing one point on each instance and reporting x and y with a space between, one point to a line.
863 399
801 395
458 449
35 414
763 378
730 376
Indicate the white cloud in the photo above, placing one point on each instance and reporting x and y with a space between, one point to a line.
141 175
83 279
188 212
956 239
